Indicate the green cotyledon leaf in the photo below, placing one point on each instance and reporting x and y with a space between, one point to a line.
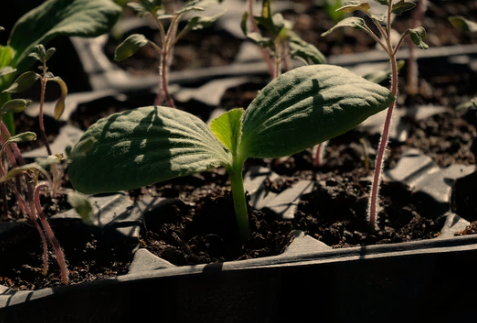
306 106
143 146
83 18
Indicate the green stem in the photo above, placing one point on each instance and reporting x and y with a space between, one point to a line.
240 204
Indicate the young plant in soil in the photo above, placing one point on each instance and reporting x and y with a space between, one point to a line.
418 36
297 110
28 79
160 12
283 43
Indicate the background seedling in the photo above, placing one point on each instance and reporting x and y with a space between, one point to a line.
418 37
283 42
28 79
164 11
152 144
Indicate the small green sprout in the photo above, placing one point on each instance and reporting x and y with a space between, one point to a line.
160 11
297 110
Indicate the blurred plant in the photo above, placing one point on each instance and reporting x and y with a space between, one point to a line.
282 44
412 70
161 11
418 36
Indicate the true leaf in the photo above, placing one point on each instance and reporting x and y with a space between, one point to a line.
401 6
32 169
463 24
353 6
138 8
152 5
50 53
45 163
303 50
141 147
82 206
243 23
306 106
264 42
355 22
130 46
189 8
383 2
200 22
22 137
83 18
228 129
472 104
418 37
266 18
14 106
23 82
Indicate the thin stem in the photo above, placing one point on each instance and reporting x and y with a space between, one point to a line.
400 42
19 158
240 204
60 257
373 200
33 218
163 90
255 29
380 28
318 153
40 116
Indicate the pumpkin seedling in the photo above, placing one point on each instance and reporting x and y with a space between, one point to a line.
27 79
297 110
283 42
418 37
161 12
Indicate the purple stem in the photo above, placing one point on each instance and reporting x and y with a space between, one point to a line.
60 257
33 217
373 201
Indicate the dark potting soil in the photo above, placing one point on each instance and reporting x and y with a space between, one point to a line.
24 123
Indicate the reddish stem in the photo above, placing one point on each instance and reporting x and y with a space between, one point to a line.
33 217
19 159
60 258
373 201
40 116
255 29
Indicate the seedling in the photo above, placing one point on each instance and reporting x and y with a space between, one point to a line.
418 36
27 79
160 12
297 110
283 43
